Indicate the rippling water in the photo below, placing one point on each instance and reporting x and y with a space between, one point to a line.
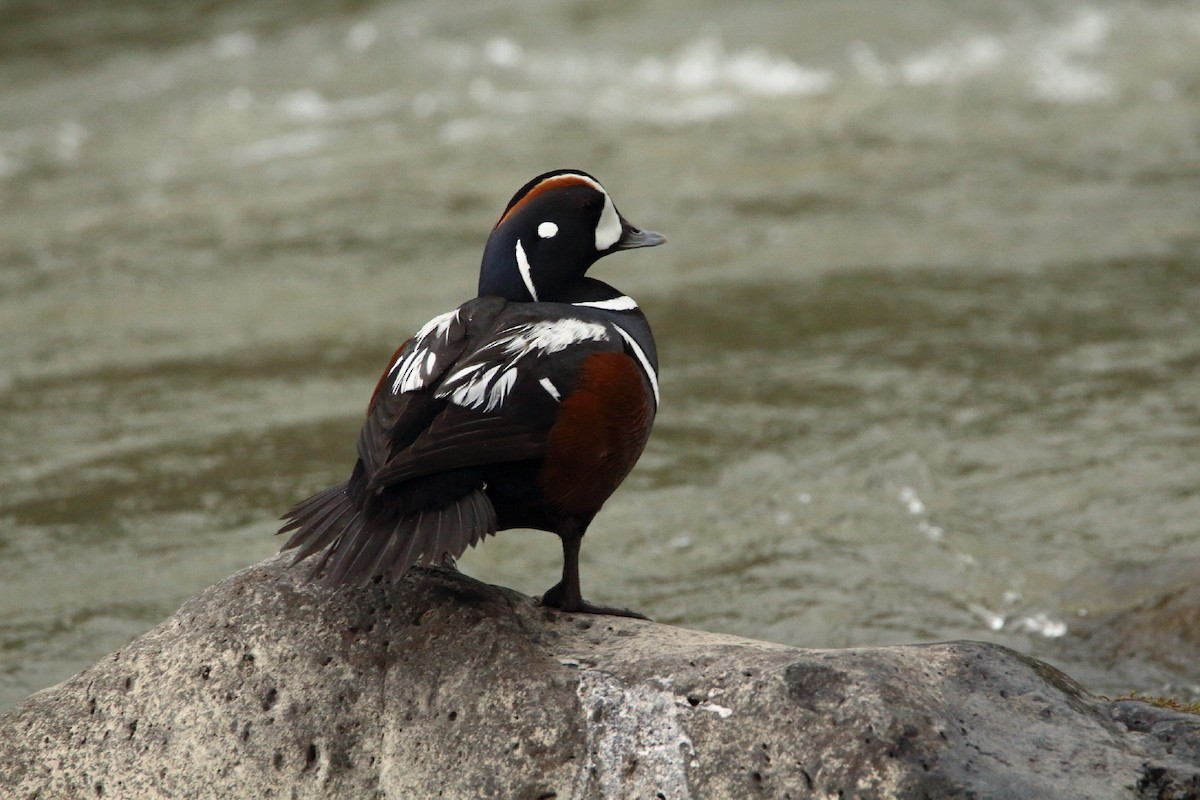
928 316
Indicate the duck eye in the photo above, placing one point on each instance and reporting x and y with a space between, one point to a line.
547 230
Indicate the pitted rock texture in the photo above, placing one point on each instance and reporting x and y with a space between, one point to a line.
441 686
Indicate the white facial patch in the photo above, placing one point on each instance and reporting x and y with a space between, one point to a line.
523 268
608 229
547 230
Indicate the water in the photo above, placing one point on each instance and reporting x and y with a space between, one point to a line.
928 315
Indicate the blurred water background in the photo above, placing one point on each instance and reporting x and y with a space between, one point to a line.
929 316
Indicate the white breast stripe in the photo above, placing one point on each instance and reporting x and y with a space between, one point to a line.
641 357
523 268
622 303
550 388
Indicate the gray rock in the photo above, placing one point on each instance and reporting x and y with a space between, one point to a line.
441 686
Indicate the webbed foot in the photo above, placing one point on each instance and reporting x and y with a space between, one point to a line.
557 598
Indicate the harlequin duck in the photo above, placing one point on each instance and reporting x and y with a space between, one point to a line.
523 408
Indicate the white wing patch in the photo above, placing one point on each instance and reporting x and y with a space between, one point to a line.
550 388
550 336
485 385
415 368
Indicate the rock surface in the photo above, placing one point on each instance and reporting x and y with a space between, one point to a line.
440 686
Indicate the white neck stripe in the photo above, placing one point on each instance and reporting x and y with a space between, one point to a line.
622 303
641 357
523 268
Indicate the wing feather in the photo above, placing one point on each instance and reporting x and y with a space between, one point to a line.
331 530
397 542
355 555
468 391
462 438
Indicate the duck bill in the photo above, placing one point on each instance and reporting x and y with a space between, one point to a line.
633 237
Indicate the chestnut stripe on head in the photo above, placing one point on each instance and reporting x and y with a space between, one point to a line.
559 181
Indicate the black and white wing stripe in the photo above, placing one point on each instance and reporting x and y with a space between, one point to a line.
484 380
443 412
429 353
344 523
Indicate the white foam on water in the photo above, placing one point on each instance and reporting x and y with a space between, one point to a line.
705 65
1052 63
362 36
487 86
305 104
1057 70
238 44
1042 625
289 145
503 52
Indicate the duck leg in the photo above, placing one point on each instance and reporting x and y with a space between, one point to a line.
566 595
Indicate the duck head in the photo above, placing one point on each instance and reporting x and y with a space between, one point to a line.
551 232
